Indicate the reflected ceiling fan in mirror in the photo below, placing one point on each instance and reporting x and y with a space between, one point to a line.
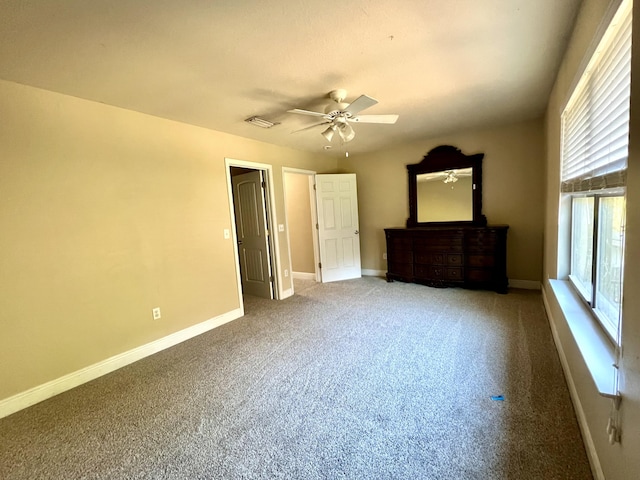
338 116
446 176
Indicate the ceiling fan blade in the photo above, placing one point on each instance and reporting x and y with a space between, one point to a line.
360 103
375 119
306 112
311 126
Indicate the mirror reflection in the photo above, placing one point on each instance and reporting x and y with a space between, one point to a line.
445 196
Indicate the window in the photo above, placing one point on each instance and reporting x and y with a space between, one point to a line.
597 241
595 138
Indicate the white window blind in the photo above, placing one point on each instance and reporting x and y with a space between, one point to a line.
595 123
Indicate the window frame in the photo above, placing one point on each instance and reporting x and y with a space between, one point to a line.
603 321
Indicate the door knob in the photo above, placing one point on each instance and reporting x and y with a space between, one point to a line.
357 232
239 242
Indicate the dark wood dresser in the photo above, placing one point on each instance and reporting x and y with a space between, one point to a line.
443 256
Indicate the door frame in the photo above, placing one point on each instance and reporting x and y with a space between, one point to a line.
314 216
271 221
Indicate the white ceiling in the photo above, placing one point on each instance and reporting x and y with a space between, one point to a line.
442 65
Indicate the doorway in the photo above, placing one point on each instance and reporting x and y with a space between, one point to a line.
327 249
302 220
250 188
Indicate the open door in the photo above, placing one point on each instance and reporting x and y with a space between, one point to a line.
338 227
252 234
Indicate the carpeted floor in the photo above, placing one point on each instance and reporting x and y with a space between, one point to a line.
351 380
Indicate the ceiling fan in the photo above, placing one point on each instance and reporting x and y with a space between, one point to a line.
338 115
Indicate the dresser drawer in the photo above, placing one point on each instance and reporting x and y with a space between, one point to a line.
481 239
399 268
439 243
439 272
454 274
430 272
479 275
450 259
402 256
454 259
481 260
428 258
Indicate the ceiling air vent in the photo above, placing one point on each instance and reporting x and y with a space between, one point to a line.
260 122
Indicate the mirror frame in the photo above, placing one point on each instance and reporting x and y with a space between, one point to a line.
447 157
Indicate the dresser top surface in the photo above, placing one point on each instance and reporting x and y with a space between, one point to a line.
448 228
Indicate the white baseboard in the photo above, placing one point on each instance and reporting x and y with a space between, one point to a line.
596 468
526 284
373 273
304 275
287 293
67 382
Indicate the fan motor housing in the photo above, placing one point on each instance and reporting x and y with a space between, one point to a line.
337 109
338 95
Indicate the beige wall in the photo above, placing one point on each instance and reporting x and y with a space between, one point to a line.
106 213
299 222
620 461
512 190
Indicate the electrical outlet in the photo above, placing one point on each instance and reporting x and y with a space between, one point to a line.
286 273
156 313
280 227
384 256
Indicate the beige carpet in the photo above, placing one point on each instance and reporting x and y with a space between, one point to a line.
351 380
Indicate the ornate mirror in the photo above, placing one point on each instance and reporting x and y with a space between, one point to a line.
446 188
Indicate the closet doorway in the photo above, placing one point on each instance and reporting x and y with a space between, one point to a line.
301 213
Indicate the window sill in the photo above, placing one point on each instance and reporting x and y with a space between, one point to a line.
596 348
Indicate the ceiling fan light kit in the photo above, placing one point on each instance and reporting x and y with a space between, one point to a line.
328 133
338 115
346 132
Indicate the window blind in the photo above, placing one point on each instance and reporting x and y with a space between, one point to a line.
595 123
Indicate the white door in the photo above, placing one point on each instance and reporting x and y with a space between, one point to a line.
338 229
251 227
